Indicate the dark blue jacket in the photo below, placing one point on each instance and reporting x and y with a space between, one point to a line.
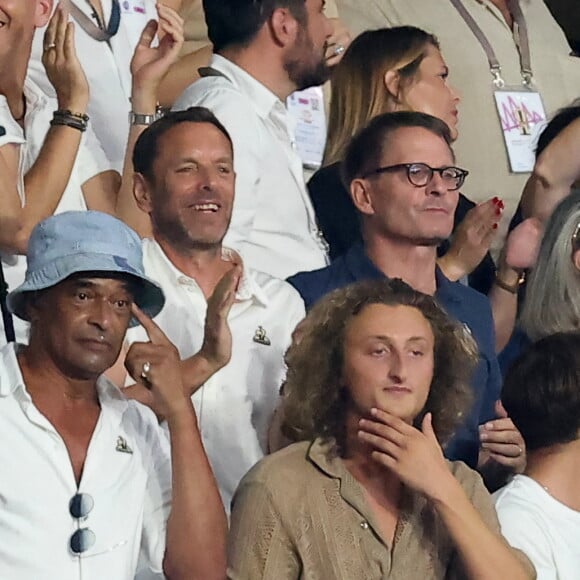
461 302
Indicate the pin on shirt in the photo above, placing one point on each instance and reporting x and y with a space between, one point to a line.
122 445
260 336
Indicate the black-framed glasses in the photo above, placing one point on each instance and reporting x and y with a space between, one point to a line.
420 174
79 507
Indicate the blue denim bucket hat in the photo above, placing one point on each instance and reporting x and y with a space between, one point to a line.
84 241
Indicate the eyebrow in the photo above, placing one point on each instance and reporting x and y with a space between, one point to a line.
190 159
88 283
410 339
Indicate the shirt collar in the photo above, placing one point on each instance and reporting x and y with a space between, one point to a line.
362 268
11 380
248 287
263 99
34 96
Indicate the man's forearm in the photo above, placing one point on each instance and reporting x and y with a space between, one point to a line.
46 180
483 552
197 525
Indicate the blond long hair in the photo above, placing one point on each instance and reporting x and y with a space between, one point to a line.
358 88
315 404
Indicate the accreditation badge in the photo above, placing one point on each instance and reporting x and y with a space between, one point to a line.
522 117
133 7
308 121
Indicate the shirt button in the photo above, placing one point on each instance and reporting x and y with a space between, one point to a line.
364 525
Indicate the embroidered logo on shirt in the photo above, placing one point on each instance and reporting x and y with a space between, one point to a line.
122 445
260 336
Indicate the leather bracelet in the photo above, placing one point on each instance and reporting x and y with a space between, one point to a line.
74 122
69 113
511 288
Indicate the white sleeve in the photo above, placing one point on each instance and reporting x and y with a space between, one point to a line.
239 118
526 533
157 506
91 158
10 130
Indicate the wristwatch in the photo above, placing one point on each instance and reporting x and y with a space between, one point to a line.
141 119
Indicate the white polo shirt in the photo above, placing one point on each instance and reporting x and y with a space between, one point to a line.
127 472
90 161
107 68
273 223
235 406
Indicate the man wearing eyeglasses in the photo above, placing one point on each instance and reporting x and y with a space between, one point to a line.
89 488
404 183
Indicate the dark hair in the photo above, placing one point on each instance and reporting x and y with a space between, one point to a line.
236 22
365 150
541 393
146 147
314 400
558 123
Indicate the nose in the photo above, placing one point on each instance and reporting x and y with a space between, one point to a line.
101 314
455 94
329 27
437 185
397 367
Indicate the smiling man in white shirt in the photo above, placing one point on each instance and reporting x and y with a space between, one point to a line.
264 51
185 181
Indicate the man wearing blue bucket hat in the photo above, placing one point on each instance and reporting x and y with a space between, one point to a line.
89 483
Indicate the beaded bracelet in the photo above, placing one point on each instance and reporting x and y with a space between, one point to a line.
67 118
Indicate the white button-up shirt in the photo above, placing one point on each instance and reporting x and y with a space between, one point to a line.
127 473
90 161
107 68
235 406
273 223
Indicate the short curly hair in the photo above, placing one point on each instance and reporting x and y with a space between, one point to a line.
314 403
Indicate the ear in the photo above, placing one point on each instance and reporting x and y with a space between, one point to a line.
576 259
42 12
392 82
360 194
142 193
283 27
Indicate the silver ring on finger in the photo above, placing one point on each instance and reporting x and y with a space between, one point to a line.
339 49
145 370
49 46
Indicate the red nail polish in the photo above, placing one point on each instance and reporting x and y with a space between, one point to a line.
496 200
495 226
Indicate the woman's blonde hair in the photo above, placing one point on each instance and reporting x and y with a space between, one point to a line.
358 88
315 399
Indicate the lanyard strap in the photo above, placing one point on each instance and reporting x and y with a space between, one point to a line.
6 316
96 31
521 40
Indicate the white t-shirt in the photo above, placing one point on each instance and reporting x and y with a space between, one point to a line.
273 223
235 406
90 161
127 473
107 68
547 531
